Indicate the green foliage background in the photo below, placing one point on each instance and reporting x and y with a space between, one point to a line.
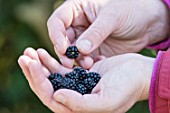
23 24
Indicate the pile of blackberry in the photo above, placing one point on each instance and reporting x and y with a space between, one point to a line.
72 52
78 80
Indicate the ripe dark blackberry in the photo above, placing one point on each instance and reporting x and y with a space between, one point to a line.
81 89
56 80
78 80
72 52
94 75
80 73
55 75
90 84
68 84
72 76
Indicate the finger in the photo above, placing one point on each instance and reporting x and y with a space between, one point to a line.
86 62
70 34
44 88
79 103
49 62
67 62
98 58
30 52
63 59
95 34
23 62
57 25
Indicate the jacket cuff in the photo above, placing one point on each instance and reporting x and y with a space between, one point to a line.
152 86
159 100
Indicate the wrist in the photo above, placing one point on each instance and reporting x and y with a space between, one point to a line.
148 68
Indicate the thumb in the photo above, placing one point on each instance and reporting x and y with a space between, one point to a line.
92 38
78 102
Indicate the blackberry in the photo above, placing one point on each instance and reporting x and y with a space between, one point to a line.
72 52
72 76
81 89
89 83
56 80
78 80
55 75
95 76
51 77
80 73
68 84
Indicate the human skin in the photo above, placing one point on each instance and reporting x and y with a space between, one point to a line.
125 80
103 28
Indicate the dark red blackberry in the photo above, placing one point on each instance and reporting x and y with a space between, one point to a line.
89 83
72 52
81 89
94 75
68 84
80 73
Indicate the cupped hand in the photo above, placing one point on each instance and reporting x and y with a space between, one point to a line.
125 80
37 66
103 28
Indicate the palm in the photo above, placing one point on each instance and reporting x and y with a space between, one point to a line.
120 87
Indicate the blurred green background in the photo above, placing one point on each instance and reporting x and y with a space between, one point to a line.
23 24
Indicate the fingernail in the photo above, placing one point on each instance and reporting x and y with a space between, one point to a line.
85 44
60 98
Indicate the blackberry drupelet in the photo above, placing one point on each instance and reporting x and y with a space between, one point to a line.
72 52
81 89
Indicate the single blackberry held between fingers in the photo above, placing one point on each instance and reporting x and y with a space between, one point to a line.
72 52
79 80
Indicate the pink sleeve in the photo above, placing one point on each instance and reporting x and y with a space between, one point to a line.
163 44
167 2
152 106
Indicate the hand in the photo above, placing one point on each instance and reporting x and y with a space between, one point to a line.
120 83
125 80
37 66
103 28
